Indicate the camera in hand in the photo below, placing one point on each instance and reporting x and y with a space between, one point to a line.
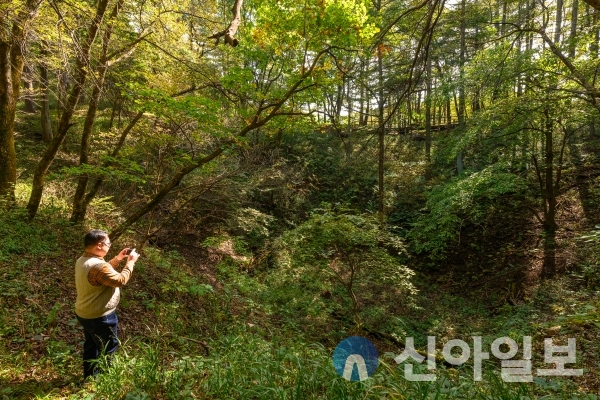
128 252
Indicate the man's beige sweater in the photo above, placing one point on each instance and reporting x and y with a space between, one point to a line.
97 285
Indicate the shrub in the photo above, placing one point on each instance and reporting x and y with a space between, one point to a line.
339 249
466 199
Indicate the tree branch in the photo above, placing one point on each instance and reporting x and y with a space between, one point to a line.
125 51
231 30
255 123
594 3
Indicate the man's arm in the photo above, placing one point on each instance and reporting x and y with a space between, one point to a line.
104 274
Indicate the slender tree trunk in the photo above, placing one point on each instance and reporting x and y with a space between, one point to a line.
12 43
428 121
550 226
418 102
29 90
595 46
504 10
550 217
495 16
409 115
98 182
572 38
65 122
592 19
519 51
461 85
381 155
448 113
361 104
78 213
559 17
339 101
348 139
45 105
530 9
367 110
8 157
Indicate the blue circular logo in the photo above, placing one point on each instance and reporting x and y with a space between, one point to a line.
355 358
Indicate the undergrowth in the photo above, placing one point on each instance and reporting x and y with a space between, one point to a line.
185 336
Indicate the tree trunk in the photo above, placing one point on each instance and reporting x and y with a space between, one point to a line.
448 113
550 217
348 139
381 155
361 104
550 226
558 26
367 114
8 157
409 115
65 121
96 186
504 7
461 86
63 87
29 91
572 42
78 213
428 121
44 103
12 44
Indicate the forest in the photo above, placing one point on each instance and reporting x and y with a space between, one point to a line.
423 174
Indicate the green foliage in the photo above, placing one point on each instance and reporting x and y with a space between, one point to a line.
593 236
336 249
589 264
20 237
252 224
287 24
124 170
177 278
243 365
467 199
587 314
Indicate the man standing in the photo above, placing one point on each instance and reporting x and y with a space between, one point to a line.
98 295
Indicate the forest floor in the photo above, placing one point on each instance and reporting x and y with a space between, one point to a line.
41 339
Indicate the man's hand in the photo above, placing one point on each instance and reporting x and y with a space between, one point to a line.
133 256
122 254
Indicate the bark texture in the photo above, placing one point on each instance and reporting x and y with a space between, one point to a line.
12 43
229 33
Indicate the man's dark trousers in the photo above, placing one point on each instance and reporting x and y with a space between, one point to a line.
101 335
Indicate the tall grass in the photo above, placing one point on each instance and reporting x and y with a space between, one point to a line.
246 366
